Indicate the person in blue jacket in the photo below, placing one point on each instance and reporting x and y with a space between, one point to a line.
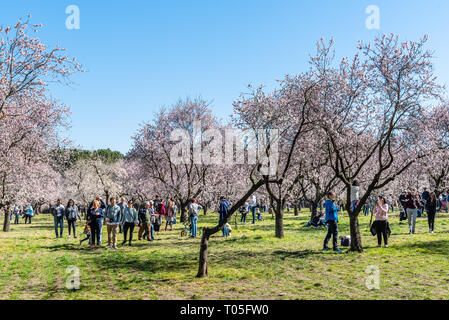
223 211
332 223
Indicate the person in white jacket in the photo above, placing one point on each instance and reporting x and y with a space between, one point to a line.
354 195
253 206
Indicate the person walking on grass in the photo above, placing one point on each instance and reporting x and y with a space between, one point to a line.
412 202
95 216
380 225
144 217
72 214
332 223
123 206
431 207
223 213
193 209
58 212
129 221
113 219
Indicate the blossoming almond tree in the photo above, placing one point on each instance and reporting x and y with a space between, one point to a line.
370 107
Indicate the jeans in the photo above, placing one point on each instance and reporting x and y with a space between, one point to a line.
72 225
27 218
431 219
253 211
59 221
411 216
381 230
332 232
128 226
353 205
225 230
16 218
193 222
95 236
243 218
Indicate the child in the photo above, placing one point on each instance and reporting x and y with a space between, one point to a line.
228 227
86 232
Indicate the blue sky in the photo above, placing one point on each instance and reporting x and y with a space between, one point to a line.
142 54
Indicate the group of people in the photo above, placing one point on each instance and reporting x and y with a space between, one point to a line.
253 206
411 204
121 217
26 212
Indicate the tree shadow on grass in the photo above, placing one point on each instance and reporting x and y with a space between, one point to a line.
296 254
435 247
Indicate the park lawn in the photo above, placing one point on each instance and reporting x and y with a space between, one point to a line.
252 264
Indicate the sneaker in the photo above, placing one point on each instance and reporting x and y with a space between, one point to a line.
338 250
386 246
379 246
326 249
114 247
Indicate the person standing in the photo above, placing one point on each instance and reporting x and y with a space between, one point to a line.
169 215
161 213
123 206
380 224
243 212
193 209
17 210
145 221
129 220
431 207
113 219
253 205
332 223
72 214
58 212
95 216
412 203
223 213
354 195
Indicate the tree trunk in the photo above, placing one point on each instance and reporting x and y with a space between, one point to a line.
296 209
7 221
184 212
279 223
356 239
202 268
313 209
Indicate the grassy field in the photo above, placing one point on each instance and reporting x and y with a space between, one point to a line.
252 264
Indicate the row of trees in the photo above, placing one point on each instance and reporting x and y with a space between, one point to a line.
380 118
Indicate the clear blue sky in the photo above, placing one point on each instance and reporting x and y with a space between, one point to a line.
143 54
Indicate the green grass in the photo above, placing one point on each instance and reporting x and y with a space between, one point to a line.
252 264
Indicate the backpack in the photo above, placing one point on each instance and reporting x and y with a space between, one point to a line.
345 241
